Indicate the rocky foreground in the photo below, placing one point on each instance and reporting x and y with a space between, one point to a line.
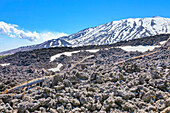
97 85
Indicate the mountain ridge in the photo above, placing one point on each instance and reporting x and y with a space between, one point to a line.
115 31
109 33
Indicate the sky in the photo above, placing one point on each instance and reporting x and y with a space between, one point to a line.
28 22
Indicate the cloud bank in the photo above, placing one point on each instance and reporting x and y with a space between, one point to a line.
49 35
12 31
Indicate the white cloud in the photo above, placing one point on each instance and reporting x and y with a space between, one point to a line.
49 35
12 31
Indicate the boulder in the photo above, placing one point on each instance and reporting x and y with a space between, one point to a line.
22 107
149 95
161 84
151 108
8 107
128 95
119 101
63 100
44 102
56 79
109 104
98 105
60 109
69 106
83 100
82 75
43 109
159 95
94 76
160 104
57 88
1 101
52 110
75 102
67 83
166 110
128 107
114 79
2 85
76 110
47 90
74 80
141 105
167 102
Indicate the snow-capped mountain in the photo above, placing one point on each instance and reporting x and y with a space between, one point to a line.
126 29
109 33
54 43
46 44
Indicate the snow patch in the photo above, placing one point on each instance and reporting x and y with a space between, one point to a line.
70 53
57 68
162 42
93 50
59 42
106 48
166 70
6 64
65 53
51 44
139 48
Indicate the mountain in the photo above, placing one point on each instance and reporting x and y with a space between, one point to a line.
109 33
46 44
126 29
54 43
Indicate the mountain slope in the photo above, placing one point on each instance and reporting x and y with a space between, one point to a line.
46 44
109 80
109 33
126 29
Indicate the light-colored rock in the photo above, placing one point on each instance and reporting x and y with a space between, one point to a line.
63 99
57 88
60 109
166 110
75 102
160 104
128 107
82 75
53 110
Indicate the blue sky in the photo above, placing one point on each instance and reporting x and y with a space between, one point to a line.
70 16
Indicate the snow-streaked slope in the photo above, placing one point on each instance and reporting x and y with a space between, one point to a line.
116 31
54 43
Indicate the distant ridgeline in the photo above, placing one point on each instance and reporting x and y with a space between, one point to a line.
106 34
45 53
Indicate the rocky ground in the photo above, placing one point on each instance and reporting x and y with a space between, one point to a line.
96 85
